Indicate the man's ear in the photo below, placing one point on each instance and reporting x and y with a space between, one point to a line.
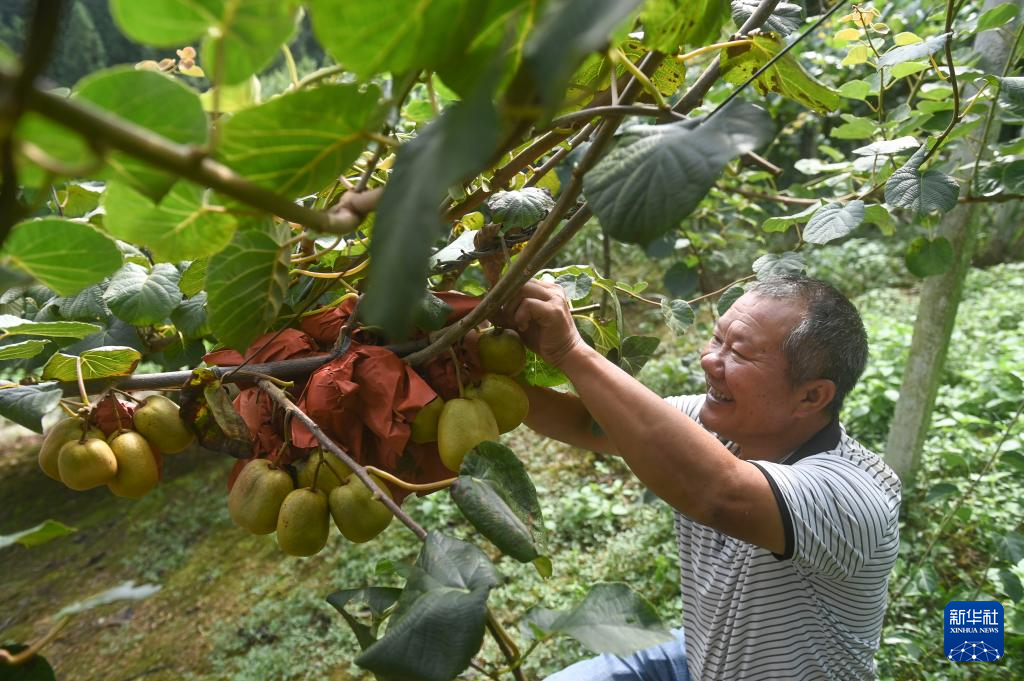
815 396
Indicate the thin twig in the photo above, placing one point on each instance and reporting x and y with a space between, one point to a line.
613 110
955 119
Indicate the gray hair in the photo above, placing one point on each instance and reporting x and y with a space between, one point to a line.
829 342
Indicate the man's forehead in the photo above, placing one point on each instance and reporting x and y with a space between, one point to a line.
763 311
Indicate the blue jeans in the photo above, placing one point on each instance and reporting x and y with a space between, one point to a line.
663 662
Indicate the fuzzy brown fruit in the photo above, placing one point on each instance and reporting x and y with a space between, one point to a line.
326 480
84 465
359 516
137 472
424 426
64 431
464 423
304 522
256 497
159 421
501 352
505 397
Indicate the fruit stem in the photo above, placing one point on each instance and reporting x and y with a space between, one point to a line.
81 381
411 486
330 466
458 374
316 471
125 393
28 653
67 409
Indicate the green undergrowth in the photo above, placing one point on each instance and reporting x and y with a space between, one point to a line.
234 607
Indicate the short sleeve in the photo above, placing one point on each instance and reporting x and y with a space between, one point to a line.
688 404
837 518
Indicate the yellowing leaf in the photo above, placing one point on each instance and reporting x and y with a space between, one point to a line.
785 76
848 34
906 38
858 54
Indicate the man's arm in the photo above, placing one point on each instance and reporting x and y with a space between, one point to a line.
563 416
677 459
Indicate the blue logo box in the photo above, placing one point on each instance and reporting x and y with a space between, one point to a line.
974 631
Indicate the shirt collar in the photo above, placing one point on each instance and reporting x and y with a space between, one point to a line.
824 440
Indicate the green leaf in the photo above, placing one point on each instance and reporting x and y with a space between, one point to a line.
576 286
997 16
102 362
246 282
16 326
27 404
671 24
454 146
59 143
66 256
299 142
142 297
438 625
915 51
636 352
193 279
855 89
154 101
927 257
395 36
678 315
834 221
245 36
40 534
520 207
786 18
731 295
22 350
432 313
657 174
855 128
377 600
539 372
771 264
86 304
921 192
126 591
497 496
1013 176
941 491
566 33
190 316
182 226
879 216
1011 547
785 77
611 619
681 279
782 223
909 68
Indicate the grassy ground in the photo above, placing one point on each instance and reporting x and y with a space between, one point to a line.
233 607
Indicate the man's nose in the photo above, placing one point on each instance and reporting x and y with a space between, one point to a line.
710 360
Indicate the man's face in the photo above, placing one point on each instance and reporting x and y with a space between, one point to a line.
750 399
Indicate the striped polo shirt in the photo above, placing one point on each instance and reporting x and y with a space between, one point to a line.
815 611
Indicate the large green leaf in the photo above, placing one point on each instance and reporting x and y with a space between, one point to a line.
438 625
611 619
921 192
834 221
671 24
784 19
731 295
193 279
59 143
40 534
22 350
190 317
300 142
151 100
519 207
398 35
657 174
772 264
27 404
566 33
914 51
785 77
377 600
246 282
243 35
64 255
678 315
782 223
182 226
497 496
681 279
449 149
16 326
636 352
98 363
140 296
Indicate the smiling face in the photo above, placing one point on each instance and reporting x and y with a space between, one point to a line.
750 399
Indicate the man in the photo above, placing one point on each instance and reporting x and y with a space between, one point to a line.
787 527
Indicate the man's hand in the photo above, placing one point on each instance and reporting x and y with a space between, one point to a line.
540 313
